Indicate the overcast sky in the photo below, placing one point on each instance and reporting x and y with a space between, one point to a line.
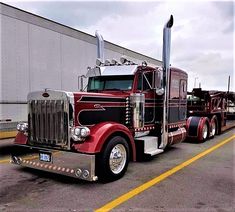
202 35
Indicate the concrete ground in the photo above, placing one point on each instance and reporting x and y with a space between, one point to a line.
208 184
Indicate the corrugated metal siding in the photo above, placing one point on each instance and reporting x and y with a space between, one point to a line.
37 53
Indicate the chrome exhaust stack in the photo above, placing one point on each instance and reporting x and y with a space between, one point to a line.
166 78
100 46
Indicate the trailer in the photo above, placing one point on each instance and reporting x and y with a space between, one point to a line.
209 113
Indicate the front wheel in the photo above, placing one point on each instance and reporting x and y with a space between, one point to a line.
112 162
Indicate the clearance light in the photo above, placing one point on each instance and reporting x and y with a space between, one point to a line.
107 62
114 62
123 59
144 63
58 169
99 62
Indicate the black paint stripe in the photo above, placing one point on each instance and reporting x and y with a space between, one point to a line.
101 99
116 114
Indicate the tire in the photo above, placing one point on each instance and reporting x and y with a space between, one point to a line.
205 131
213 127
113 161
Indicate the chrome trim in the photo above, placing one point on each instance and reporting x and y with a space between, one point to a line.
166 75
63 162
117 158
137 100
49 122
100 46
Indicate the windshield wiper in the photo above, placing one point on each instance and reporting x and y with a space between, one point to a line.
112 89
116 89
93 90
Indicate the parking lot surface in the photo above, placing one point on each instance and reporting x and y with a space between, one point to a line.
206 184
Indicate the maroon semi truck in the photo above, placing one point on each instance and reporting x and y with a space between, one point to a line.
129 111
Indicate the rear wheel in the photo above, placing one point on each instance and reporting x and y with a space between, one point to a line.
213 127
204 132
113 161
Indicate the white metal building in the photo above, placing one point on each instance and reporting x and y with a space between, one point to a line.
37 53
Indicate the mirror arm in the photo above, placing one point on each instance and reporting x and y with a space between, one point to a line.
80 82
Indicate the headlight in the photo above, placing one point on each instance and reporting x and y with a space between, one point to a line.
22 127
79 133
85 132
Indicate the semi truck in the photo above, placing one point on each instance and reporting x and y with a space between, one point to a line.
127 112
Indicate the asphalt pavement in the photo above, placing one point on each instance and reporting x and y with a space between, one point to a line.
207 184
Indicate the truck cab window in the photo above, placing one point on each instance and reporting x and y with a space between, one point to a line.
183 89
174 88
145 79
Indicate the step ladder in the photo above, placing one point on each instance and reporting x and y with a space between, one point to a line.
150 145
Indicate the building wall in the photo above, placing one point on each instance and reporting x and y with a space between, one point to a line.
37 53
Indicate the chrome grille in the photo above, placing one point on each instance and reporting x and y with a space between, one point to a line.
48 122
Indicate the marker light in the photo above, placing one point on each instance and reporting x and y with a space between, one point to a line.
107 62
123 59
98 62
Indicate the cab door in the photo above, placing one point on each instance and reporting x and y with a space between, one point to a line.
145 85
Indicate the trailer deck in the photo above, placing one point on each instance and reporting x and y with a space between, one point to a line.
229 124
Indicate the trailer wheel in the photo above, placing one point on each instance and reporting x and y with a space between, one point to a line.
213 127
113 161
204 132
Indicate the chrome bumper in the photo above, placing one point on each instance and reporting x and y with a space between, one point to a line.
71 164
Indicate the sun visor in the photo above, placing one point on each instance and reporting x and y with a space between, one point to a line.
118 70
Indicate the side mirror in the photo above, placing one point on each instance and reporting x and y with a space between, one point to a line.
158 82
81 82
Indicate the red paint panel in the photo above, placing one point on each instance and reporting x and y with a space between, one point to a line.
201 123
100 133
21 138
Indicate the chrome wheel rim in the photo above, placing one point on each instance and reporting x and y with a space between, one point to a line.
117 159
213 128
204 131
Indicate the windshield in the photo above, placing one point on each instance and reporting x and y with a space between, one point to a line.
100 83
193 98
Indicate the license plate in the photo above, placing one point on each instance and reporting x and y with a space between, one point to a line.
45 156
